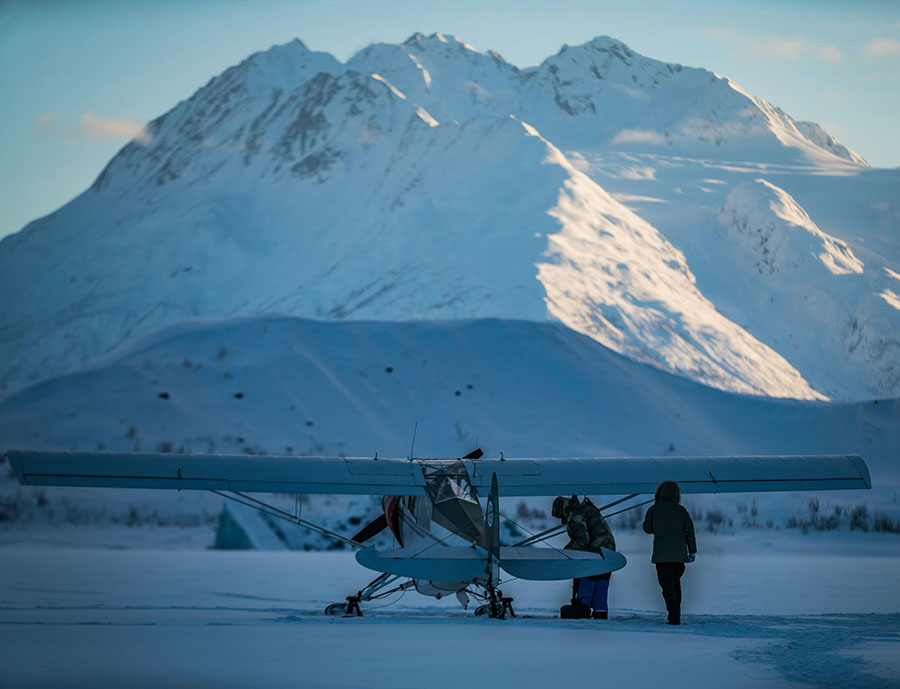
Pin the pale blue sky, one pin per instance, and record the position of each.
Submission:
(67, 68)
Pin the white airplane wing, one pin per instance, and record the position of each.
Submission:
(617, 475)
(245, 473)
(368, 476)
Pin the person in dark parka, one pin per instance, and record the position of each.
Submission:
(673, 544)
(587, 530)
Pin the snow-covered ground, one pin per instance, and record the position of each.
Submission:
(785, 611)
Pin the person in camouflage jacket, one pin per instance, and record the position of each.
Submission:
(587, 530)
(586, 527)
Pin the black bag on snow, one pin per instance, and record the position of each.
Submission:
(576, 610)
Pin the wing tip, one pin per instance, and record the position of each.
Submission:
(860, 464)
(14, 457)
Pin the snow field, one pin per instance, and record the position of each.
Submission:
(78, 618)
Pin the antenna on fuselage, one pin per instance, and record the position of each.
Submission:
(413, 446)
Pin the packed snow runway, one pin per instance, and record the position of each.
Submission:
(788, 616)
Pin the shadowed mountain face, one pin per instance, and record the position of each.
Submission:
(427, 180)
(292, 386)
(355, 388)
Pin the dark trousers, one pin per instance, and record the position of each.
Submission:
(668, 574)
(593, 591)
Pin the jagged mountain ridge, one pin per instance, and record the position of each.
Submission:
(598, 94)
(294, 183)
(455, 83)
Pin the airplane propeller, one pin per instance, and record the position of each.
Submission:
(372, 529)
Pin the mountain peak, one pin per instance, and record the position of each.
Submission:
(437, 39)
(442, 40)
(281, 52)
(284, 65)
(598, 44)
(604, 42)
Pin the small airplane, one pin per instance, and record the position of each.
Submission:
(448, 543)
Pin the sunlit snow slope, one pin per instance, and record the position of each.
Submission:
(770, 241)
(430, 181)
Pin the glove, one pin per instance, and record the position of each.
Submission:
(692, 557)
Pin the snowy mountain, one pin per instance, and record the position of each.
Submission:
(430, 181)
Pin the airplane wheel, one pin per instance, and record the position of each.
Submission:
(492, 610)
(336, 609)
(348, 609)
